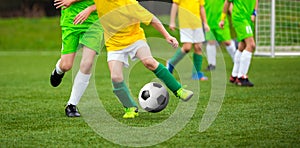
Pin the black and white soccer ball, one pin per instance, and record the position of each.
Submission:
(153, 97)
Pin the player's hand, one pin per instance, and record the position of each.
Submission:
(206, 27)
(171, 40)
(82, 16)
(253, 18)
(172, 26)
(63, 3)
(221, 24)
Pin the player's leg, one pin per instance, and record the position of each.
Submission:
(81, 81)
(230, 47)
(187, 40)
(211, 53)
(70, 42)
(245, 61)
(63, 65)
(211, 50)
(198, 38)
(197, 74)
(90, 38)
(116, 62)
(236, 64)
(144, 54)
(245, 34)
(224, 36)
(180, 53)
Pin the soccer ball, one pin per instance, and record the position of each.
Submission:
(153, 97)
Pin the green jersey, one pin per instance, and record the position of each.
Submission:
(68, 14)
(89, 33)
(242, 9)
(214, 10)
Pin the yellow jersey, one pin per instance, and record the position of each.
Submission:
(121, 22)
(189, 13)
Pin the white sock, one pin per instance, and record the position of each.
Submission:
(211, 54)
(231, 49)
(58, 70)
(244, 63)
(79, 86)
(236, 65)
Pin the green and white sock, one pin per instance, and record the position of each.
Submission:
(163, 74)
(122, 92)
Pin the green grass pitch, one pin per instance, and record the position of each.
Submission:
(32, 112)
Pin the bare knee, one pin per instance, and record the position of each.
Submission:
(250, 44)
(198, 48)
(250, 47)
(116, 77)
(86, 66)
(241, 46)
(186, 47)
(66, 66)
(150, 63)
(227, 43)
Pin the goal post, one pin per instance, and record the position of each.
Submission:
(278, 28)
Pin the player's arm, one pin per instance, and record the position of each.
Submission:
(230, 8)
(84, 14)
(253, 16)
(173, 13)
(224, 12)
(64, 3)
(159, 27)
(203, 18)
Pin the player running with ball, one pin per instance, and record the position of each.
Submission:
(243, 17)
(125, 38)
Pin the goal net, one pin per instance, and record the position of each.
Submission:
(278, 28)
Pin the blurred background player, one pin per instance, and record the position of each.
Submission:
(214, 9)
(191, 15)
(125, 38)
(80, 28)
(243, 17)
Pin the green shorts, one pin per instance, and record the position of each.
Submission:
(74, 38)
(218, 34)
(243, 29)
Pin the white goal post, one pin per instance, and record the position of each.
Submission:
(277, 28)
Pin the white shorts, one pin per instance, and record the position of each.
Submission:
(192, 35)
(122, 55)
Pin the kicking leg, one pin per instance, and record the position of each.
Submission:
(163, 74)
